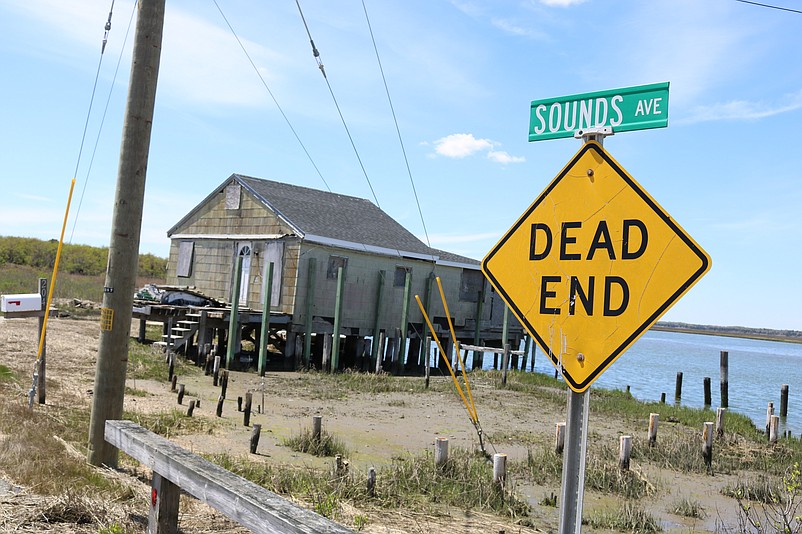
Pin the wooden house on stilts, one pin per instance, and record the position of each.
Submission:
(328, 249)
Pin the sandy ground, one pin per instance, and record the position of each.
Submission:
(375, 427)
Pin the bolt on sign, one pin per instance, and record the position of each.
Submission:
(592, 264)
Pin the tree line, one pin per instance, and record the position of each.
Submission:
(75, 259)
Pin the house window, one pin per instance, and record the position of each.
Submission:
(185, 250)
(233, 194)
(471, 283)
(335, 262)
(401, 275)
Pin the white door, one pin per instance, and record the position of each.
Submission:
(244, 251)
(274, 253)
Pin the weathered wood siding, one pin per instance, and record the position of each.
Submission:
(213, 261)
(361, 290)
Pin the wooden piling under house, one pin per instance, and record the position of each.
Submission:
(316, 241)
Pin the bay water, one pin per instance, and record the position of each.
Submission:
(757, 371)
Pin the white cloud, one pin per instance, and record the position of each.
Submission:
(501, 156)
(462, 145)
(513, 28)
(562, 3)
(742, 110)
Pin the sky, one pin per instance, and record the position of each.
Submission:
(460, 75)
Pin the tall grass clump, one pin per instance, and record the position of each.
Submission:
(324, 445)
(687, 507)
(171, 423)
(628, 518)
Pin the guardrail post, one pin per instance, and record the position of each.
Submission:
(163, 514)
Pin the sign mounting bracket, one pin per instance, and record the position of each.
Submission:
(594, 134)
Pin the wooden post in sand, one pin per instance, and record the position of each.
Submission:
(317, 428)
(440, 452)
(246, 420)
(769, 413)
(653, 420)
(559, 444)
(707, 443)
(774, 427)
(257, 429)
(499, 470)
(624, 452)
(720, 413)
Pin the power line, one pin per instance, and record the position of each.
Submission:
(264, 83)
(105, 109)
(316, 53)
(397, 129)
(770, 6)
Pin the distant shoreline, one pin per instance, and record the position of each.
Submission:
(763, 334)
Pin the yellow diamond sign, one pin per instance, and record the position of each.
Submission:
(592, 264)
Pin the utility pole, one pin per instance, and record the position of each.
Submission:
(121, 271)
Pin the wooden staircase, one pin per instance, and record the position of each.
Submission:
(181, 336)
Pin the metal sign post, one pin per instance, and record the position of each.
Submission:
(574, 454)
(576, 430)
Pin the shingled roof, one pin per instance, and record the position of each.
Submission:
(331, 217)
(334, 219)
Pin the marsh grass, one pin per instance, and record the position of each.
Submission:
(146, 362)
(628, 518)
(761, 488)
(6, 374)
(411, 482)
(328, 445)
(172, 423)
(687, 507)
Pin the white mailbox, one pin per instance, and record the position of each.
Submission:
(20, 303)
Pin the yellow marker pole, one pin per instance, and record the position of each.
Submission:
(471, 412)
(50, 290)
(456, 343)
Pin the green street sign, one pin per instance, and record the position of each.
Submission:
(631, 108)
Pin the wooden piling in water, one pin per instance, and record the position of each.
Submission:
(724, 369)
(678, 387)
(784, 400)
(708, 396)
